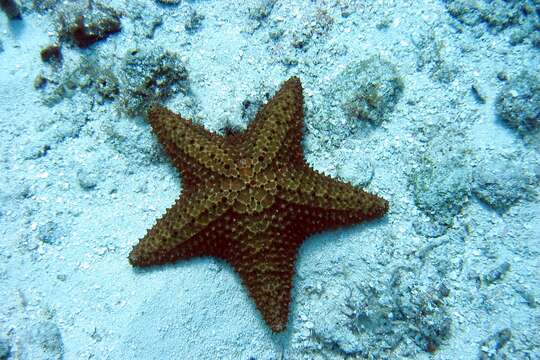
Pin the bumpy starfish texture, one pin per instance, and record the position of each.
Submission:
(250, 199)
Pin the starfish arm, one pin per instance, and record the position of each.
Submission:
(271, 291)
(196, 152)
(182, 232)
(321, 202)
(280, 121)
(265, 263)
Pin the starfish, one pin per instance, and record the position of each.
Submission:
(250, 199)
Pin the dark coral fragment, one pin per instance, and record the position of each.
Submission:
(11, 9)
(51, 54)
(85, 26)
(5, 348)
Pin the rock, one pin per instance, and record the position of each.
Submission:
(518, 103)
(496, 274)
(500, 180)
(5, 348)
(494, 347)
(441, 187)
(150, 75)
(368, 90)
(50, 233)
(84, 25)
(43, 341)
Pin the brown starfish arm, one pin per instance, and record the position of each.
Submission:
(177, 234)
(265, 263)
(197, 153)
(323, 202)
(277, 124)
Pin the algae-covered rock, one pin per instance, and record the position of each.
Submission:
(368, 90)
(87, 75)
(441, 187)
(518, 103)
(498, 15)
(150, 75)
(500, 181)
(397, 320)
(43, 341)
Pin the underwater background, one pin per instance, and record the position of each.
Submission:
(433, 105)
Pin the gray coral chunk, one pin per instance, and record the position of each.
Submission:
(44, 341)
(421, 304)
(501, 182)
(392, 321)
(148, 76)
(369, 89)
(498, 15)
(441, 189)
(495, 347)
(50, 232)
(518, 103)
